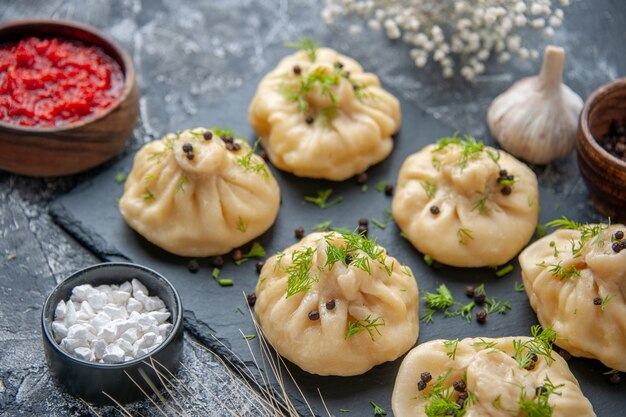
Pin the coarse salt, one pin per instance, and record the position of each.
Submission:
(111, 323)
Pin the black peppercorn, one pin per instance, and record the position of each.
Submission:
(531, 365)
(481, 316)
(434, 210)
(534, 357)
(503, 173)
(479, 297)
(362, 230)
(309, 120)
(460, 402)
(348, 259)
(236, 146)
(259, 265)
(251, 297)
(314, 315)
(208, 135)
(217, 261)
(361, 178)
(193, 266)
(506, 190)
(615, 378)
(389, 190)
(469, 291)
(363, 221)
(617, 247)
(459, 385)
(237, 255)
(330, 305)
(540, 390)
(619, 235)
(597, 301)
(463, 395)
(426, 377)
(421, 385)
(297, 70)
(189, 156)
(187, 147)
(299, 232)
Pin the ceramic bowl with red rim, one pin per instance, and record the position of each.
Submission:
(68, 97)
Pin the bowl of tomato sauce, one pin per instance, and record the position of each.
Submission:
(68, 97)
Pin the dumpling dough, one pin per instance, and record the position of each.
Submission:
(332, 146)
(220, 199)
(348, 320)
(562, 290)
(449, 201)
(493, 378)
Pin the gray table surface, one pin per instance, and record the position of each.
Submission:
(184, 54)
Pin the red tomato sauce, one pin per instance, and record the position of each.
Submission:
(46, 82)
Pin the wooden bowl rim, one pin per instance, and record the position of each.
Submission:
(128, 71)
(598, 95)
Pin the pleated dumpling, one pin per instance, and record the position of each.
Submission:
(485, 377)
(575, 279)
(337, 304)
(319, 115)
(199, 193)
(466, 204)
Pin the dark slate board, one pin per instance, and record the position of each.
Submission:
(90, 214)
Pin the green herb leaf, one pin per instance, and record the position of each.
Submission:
(120, 177)
(440, 300)
(307, 45)
(451, 345)
(380, 186)
(504, 271)
(299, 277)
(224, 282)
(378, 411)
(428, 260)
(249, 336)
(464, 234)
(323, 227)
(605, 301)
(364, 188)
(242, 226)
(251, 163)
(519, 287)
(147, 195)
(181, 184)
(322, 199)
(369, 324)
(379, 224)
(539, 406)
(430, 188)
(482, 343)
(222, 132)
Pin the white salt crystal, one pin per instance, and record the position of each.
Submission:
(60, 310)
(134, 305)
(100, 320)
(119, 297)
(70, 345)
(153, 303)
(108, 333)
(81, 292)
(115, 311)
(86, 308)
(113, 354)
(97, 299)
(130, 335)
(164, 328)
(83, 353)
(160, 316)
(149, 338)
(125, 345)
(145, 322)
(99, 348)
(70, 315)
(126, 287)
(138, 288)
(59, 330)
(80, 331)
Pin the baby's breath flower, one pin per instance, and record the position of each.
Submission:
(467, 32)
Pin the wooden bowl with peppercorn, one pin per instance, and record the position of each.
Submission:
(68, 97)
(601, 148)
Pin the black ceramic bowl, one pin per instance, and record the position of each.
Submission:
(90, 380)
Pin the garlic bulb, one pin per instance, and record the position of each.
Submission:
(537, 117)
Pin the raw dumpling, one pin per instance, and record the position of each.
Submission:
(466, 204)
(320, 116)
(199, 193)
(479, 378)
(337, 304)
(575, 279)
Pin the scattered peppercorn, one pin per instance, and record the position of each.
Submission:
(389, 190)
(314, 315)
(227, 139)
(481, 316)
(479, 297)
(237, 255)
(426, 377)
(617, 247)
(434, 210)
(299, 232)
(208, 135)
(362, 230)
(459, 385)
(236, 146)
(259, 265)
(363, 221)
(463, 395)
(614, 142)
(193, 266)
(540, 390)
(187, 147)
(615, 378)
(330, 305)
(348, 259)
(619, 235)
(217, 261)
(460, 402)
(190, 156)
(531, 365)
(506, 190)
(564, 354)
(251, 297)
(361, 178)
(421, 385)
(534, 357)
(309, 120)
(597, 301)
(469, 291)
(297, 70)
(503, 173)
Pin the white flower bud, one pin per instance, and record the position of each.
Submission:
(448, 72)
(548, 32)
(504, 57)
(420, 61)
(373, 24)
(538, 23)
(520, 7)
(536, 9)
(523, 53)
(520, 20)
(555, 21)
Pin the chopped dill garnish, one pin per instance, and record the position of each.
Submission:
(430, 188)
(540, 231)
(428, 260)
(440, 400)
(249, 336)
(388, 215)
(368, 324)
(481, 205)
(361, 251)
(559, 271)
(504, 271)
(451, 345)
(539, 406)
(120, 177)
(407, 271)
(587, 232)
(519, 287)
(380, 186)
(470, 149)
(307, 45)
(181, 183)
(378, 411)
(256, 251)
(222, 132)
(364, 188)
(440, 300)
(539, 345)
(250, 164)
(242, 226)
(239, 310)
(224, 282)
(464, 234)
(147, 195)
(443, 301)
(299, 274)
(482, 343)
(323, 227)
(322, 199)
(496, 306)
(378, 224)
(605, 301)
(404, 235)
